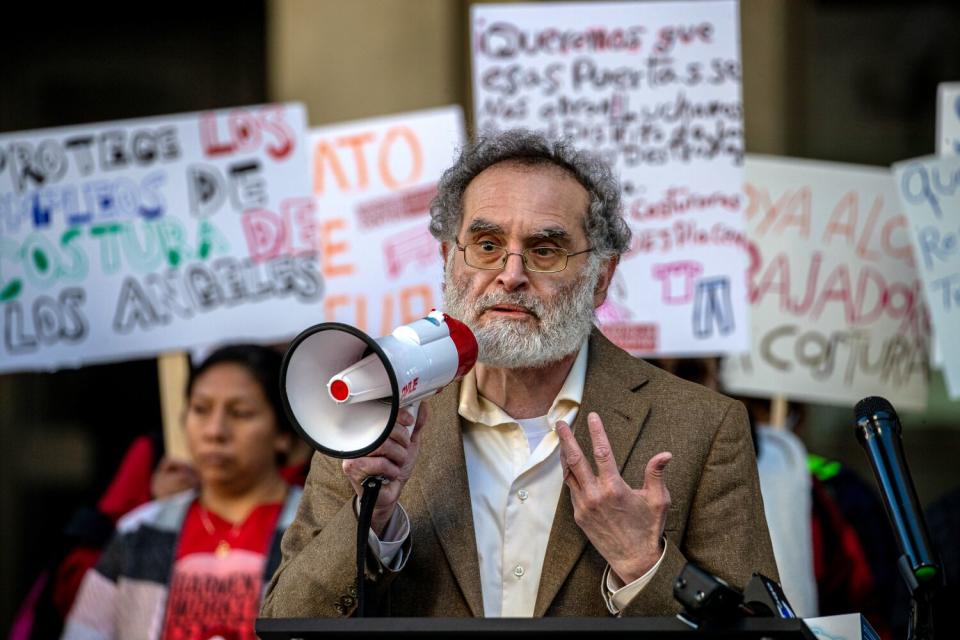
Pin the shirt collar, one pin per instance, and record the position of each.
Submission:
(478, 410)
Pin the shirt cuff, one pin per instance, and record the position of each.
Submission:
(389, 551)
(618, 596)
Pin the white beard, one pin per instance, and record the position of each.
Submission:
(564, 321)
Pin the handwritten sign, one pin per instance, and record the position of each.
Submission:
(948, 119)
(836, 301)
(130, 238)
(929, 191)
(373, 181)
(948, 144)
(654, 88)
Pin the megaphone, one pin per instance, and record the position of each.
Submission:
(342, 389)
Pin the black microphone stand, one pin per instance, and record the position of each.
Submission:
(921, 602)
(879, 431)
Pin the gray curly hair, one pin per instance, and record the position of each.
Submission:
(604, 225)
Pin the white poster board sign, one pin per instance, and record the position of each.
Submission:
(131, 238)
(836, 301)
(373, 181)
(929, 191)
(948, 144)
(654, 88)
(948, 119)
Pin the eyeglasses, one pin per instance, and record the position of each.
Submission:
(490, 256)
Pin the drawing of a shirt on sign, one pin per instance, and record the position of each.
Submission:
(676, 279)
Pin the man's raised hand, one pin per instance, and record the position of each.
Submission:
(625, 525)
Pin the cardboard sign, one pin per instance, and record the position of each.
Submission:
(373, 181)
(654, 89)
(131, 238)
(929, 191)
(836, 301)
(948, 119)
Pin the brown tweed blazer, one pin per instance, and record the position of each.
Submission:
(716, 518)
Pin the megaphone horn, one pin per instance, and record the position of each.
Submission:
(342, 389)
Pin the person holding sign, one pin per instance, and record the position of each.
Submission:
(196, 561)
(562, 476)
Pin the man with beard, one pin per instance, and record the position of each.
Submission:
(562, 476)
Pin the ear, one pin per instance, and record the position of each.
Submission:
(444, 250)
(603, 283)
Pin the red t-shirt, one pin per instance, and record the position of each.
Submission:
(217, 575)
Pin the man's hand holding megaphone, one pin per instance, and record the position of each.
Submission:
(394, 461)
(355, 397)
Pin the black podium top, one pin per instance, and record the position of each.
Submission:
(326, 628)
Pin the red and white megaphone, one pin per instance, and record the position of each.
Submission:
(343, 390)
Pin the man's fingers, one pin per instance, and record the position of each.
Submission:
(393, 451)
(571, 455)
(401, 435)
(405, 418)
(653, 475)
(402, 432)
(422, 415)
(568, 478)
(359, 468)
(602, 453)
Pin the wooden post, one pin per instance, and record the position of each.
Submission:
(778, 412)
(172, 370)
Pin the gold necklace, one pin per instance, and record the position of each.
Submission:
(223, 546)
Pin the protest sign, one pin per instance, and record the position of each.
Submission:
(131, 238)
(948, 144)
(654, 89)
(929, 191)
(835, 298)
(948, 119)
(373, 181)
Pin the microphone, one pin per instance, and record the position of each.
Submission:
(879, 433)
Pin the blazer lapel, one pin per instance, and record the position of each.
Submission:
(442, 472)
(610, 390)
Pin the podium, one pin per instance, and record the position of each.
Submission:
(327, 628)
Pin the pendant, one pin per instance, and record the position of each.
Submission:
(223, 549)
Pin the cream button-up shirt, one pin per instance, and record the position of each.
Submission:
(515, 478)
(514, 490)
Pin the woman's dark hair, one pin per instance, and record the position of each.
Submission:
(263, 363)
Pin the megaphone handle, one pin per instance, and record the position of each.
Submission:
(371, 489)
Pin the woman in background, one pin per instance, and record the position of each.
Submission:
(194, 565)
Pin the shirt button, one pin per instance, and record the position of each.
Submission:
(523, 495)
(518, 571)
